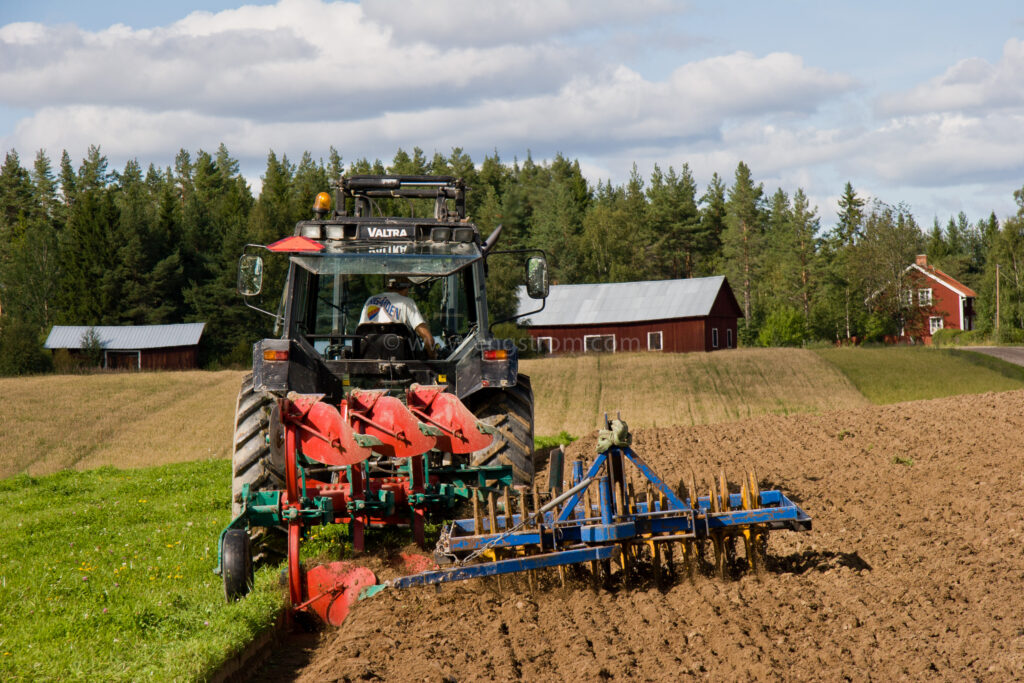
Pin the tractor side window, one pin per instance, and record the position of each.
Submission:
(304, 318)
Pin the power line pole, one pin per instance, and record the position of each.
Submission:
(997, 298)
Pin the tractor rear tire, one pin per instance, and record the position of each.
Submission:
(252, 461)
(236, 564)
(510, 411)
(255, 462)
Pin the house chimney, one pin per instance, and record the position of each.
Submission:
(922, 260)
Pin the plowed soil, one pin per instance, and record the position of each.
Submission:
(914, 569)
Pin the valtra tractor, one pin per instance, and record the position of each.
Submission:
(384, 434)
(346, 419)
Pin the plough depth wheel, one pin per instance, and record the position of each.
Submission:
(236, 559)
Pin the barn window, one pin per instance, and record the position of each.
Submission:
(599, 343)
(934, 324)
(728, 338)
(654, 341)
(542, 345)
(714, 337)
(924, 297)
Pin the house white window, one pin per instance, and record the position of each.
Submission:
(907, 298)
(542, 345)
(924, 297)
(934, 324)
(654, 341)
(714, 337)
(728, 338)
(599, 343)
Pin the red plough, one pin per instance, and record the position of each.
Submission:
(460, 431)
(325, 443)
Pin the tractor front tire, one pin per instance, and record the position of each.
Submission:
(510, 412)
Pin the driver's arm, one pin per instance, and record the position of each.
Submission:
(428, 339)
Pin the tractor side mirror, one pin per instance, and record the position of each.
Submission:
(250, 275)
(537, 277)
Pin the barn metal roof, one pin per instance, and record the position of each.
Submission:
(127, 337)
(623, 302)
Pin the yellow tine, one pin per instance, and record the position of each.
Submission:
(692, 484)
(723, 489)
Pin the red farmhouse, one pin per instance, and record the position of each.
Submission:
(696, 314)
(946, 303)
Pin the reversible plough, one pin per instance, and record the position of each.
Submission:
(616, 510)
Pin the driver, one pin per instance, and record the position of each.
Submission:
(395, 306)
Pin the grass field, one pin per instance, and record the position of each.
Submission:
(656, 390)
(55, 422)
(896, 374)
(107, 575)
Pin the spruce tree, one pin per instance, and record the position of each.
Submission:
(742, 241)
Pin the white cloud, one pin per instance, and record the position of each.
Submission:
(947, 149)
(299, 60)
(969, 85)
(471, 22)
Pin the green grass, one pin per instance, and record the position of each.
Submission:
(107, 575)
(563, 438)
(897, 374)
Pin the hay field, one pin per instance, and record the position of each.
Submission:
(659, 390)
(55, 422)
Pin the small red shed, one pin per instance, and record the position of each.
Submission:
(945, 302)
(695, 314)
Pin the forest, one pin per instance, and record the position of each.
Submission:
(91, 245)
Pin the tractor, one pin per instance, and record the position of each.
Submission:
(415, 428)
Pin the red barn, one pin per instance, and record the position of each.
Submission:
(945, 302)
(135, 347)
(696, 314)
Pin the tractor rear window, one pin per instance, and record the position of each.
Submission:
(329, 306)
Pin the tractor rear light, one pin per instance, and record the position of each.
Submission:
(462, 234)
(496, 354)
(272, 355)
(440, 234)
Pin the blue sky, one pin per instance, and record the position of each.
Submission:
(919, 102)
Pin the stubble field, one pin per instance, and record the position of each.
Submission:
(658, 390)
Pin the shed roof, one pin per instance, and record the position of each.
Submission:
(625, 302)
(127, 337)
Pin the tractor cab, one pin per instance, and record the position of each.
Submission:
(336, 331)
(341, 303)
